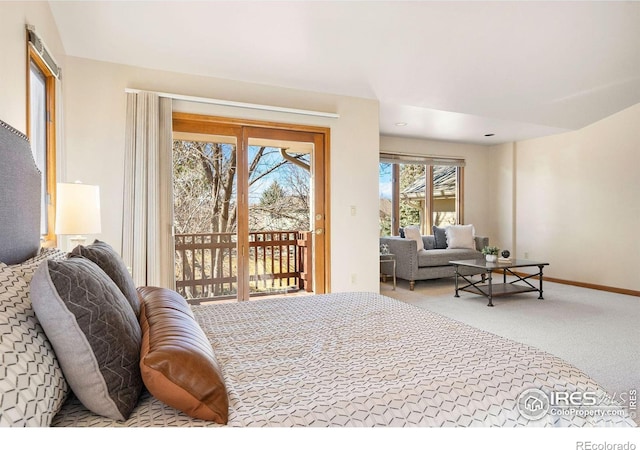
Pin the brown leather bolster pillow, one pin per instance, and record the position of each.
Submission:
(177, 362)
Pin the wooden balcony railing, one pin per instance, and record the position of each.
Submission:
(206, 263)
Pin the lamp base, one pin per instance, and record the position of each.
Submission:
(77, 240)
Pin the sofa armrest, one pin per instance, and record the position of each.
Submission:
(406, 254)
(481, 242)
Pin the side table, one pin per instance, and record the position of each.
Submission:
(386, 258)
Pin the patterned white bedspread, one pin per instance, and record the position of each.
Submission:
(362, 359)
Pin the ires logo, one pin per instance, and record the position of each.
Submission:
(534, 404)
(573, 398)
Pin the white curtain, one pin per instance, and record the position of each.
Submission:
(61, 154)
(147, 241)
(61, 157)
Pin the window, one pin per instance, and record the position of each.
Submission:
(445, 195)
(41, 125)
(411, 205)
(419, 191)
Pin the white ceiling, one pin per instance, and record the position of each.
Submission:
(451, 70)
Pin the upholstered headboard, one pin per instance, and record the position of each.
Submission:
(19, 197)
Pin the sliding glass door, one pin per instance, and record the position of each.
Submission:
(249, 210)
(205, 210)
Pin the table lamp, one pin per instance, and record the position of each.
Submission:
(77, 211)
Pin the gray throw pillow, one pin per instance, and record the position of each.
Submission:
(112, 264)
(440, 237)
(94, 333)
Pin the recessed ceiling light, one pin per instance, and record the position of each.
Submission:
(401, 124)
(489, 135)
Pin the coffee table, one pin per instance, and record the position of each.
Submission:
(490, 290)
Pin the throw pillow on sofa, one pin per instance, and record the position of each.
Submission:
(440, 237)
(461, 236)
(413, 232)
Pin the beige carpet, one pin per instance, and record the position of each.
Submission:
(596, 331)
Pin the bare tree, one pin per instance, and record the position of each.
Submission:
(205, 198)
(284, 205)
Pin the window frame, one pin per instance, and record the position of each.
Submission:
(49, 175)
(430, 162)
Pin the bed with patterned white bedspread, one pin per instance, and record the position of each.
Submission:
(362, 359)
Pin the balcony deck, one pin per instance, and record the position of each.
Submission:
(206, 264)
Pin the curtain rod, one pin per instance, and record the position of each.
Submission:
(214, 101)
(41, 49)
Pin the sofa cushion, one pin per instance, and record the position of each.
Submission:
(94, 334)
(440, 237)
(439, 257)
(461, 236)
(413, 232)
(177, 361)
(428, 242)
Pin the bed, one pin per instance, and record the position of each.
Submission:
(342, 359)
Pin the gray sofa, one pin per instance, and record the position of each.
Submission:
(414, 265)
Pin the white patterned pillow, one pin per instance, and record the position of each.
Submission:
(461, 236)
(413, 232)
(28, 267)
(32, 386)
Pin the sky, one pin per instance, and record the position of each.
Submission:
(385, 181)
(271, 156)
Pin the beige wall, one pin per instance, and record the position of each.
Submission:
(477, 175)
(95, 123)
(576, 197)
(14, 16)
(502, 208)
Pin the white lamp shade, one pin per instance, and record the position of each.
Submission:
(77, 209)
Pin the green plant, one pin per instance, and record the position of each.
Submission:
(490, 250)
